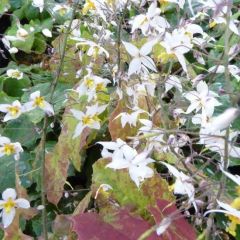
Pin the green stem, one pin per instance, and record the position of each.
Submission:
(45, 126)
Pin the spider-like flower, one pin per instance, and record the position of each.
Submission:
(8, 148)
(88, 119)
(12, 111)
(38, 101)
(14, 73)
(124, 156)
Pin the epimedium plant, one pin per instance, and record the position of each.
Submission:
(119, 119)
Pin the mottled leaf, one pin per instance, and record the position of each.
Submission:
(125, 191)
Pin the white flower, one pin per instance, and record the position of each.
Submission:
(61, 9)
(89, 119)
(8, 205)
(173, 81)
(150, 21)
(12, 111)
(177, 43)
(124, 156)
(183, 184)
(94, 50)
(14, 73)
(39, 4)
(130, 118)
(202, 99)
(37, 101)
(140, 61)
(8, 148)
(46, 32)
(90, 85)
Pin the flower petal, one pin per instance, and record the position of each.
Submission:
(7, 218)
(22, 203)
(9, 193)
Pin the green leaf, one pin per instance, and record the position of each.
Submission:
(22, 130)
(4, 6)
(7, 172)
(14, 87)
(39, 44)
(15, 4)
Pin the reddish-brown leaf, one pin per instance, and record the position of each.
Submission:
(119, 226)
(179, 228)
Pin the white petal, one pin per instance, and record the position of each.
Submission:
(235, 178)
(22, 203)
(162, 227)
(134, 66)
(131, 49)
(202, 88)
(46, 32)
(48, 109)
(78, 130)
(118, 164)
(9, 193)
(147, 47)
(28, 106)
(34, 95)
(234, 28)
(4, 140)
(77, 114)
(149, 63)
(7, 218)
(171, 169)
(3, 107)
(136, 23)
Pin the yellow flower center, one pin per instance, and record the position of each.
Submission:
(89, 82)
(16, 74)
(87, 120)
(212, 24)
(89, 5)
(14, 110)
(8, 205)
(9, 149)
(190, 35)
(62, 11)
(144, 21)
(100, 87)
(39, 101)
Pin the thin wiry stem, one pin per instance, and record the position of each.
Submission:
(226, 144)
(45, 126)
